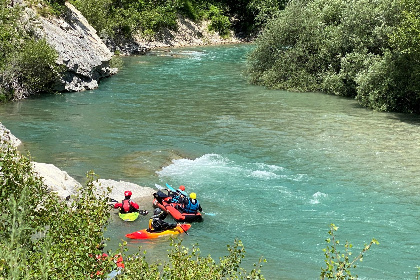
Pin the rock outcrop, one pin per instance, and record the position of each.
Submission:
(56, 180)
(7, 137)
(188, 33)
(118, 188)
(62, 184)
(84, 55)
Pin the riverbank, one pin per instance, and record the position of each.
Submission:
(61, 183)
(189, 33)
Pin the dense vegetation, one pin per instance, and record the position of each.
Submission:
(27, 63)
(125, 18)
(368, 50)
(42, 237)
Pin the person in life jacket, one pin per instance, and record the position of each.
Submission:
(180, 195)
(192, 206)
(127, 205)
(157, 223)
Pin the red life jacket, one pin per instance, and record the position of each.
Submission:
(127, 207)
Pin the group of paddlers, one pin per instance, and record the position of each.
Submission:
(184, 203)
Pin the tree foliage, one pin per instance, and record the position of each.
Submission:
(27, 64)
(356, 49)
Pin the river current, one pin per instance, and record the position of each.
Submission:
(271, 168)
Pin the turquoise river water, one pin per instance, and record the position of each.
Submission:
(269, 167)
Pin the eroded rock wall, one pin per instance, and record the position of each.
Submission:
(84, 55)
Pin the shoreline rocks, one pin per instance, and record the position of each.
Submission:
(119, 187)
(7, 137)
(61, 183)
(189, 33)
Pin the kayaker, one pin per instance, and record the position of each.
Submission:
(157, 223)
(127, 205)
(180, 195)
(192, 206)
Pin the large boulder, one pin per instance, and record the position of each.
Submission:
(84, 55)
(57, 180)
(119, 187)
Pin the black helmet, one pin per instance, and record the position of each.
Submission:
(157, 211)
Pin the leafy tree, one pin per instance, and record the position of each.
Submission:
(266, 10)
(27, 65)
(343, 48)
(406, 37)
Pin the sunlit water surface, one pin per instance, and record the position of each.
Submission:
(271, 168)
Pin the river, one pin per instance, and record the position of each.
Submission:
(271, 168)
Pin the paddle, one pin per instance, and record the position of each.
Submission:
(159, 187)
(183, 230)
(170, 188)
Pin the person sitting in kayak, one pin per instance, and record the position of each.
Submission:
(180, 195)
(192, 206)
(157, 223)
(127, 205)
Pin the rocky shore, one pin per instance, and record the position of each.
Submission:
(59, 182)
(80, 50)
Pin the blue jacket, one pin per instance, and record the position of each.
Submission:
(192, 206)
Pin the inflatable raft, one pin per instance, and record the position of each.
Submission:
(162, 201)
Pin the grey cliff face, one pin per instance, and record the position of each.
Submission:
(80, 50)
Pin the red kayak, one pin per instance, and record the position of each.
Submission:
(173, 210)
(145, 234)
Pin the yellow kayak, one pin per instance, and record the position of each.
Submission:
(129, 217)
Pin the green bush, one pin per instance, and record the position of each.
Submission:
(219, 22)
(357, 49)
(187, 264)
(27, 65)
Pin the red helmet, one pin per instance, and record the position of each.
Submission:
(182, 188)
(128, 193)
